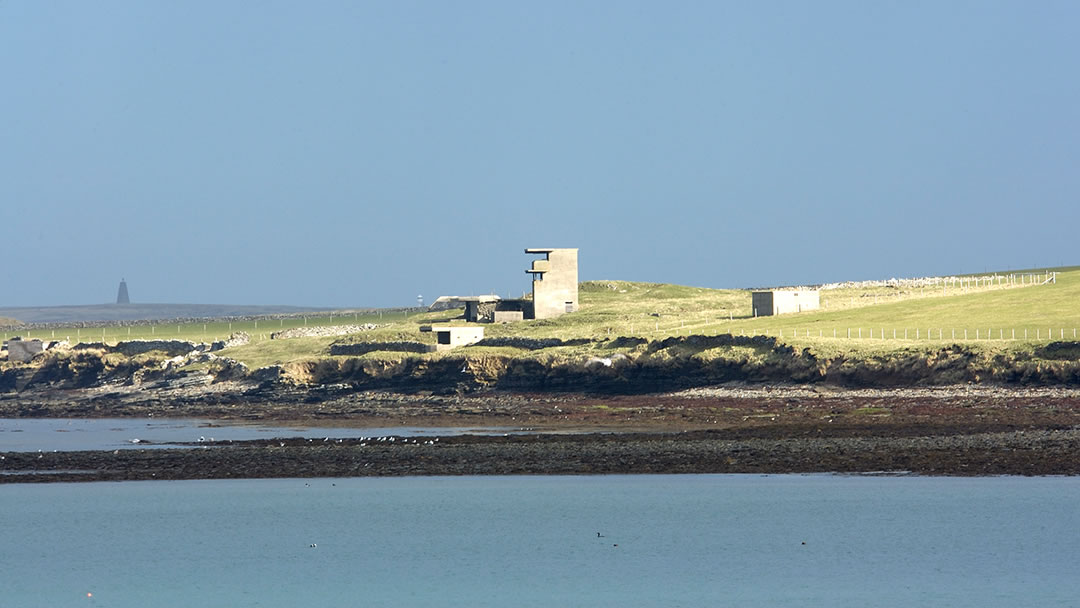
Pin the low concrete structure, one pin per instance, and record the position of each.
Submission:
(507, 316)
(448, 337)
(555, 282)
(783, 301)
(478, 309)
(485, 309)
(25, 350)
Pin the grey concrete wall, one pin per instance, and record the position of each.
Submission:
(761, 303)
(462, 336)
(472, 312)
(508, 316)
(480, 312)
(555, 282)
(453, 337)
(24, 350)
(783, 301)
(809, 300)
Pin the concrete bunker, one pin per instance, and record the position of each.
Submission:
(25, 350)
(447, 337)
(554, 292)
(784, 301)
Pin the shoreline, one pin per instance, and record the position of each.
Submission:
(959, 430)
(1024, 453)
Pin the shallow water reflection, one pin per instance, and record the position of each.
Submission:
(68, 434)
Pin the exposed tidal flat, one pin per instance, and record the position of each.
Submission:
(615, 540)
(943, 431)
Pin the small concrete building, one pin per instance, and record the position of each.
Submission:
(555, 282)
(783, 301)
(451, 337)
(25, 350)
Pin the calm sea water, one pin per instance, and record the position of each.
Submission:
(694, 540)
(72, 434)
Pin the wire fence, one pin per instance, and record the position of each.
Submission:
(939, 334)
(838, 296)
(111, 332)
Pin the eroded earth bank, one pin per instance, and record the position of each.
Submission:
(695, 421)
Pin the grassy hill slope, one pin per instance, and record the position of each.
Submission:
(653, 312)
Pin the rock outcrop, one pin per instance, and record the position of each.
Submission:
(363, 348)
(618, 366)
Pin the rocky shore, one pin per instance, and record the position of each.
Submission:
(956, 430)
(950, 452)
(624, 406)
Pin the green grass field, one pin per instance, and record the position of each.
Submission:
(203, 331)
(852, 320)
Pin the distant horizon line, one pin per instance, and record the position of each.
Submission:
(188, 304)
(301, 307)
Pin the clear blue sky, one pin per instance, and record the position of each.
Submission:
(361, 153)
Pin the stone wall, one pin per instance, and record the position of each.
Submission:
(172, 348)
(531, 343)
(322, 331)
